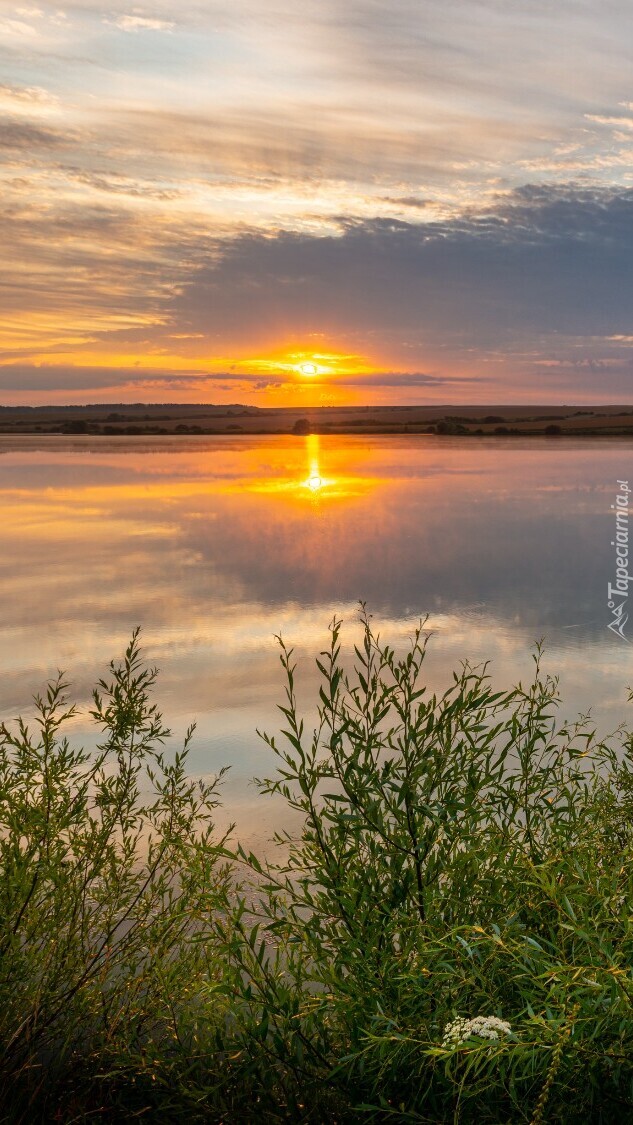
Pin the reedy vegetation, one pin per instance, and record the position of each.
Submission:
(461, 856)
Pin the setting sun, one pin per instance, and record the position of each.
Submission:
(308, 368)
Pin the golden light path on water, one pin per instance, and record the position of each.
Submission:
(213, 546)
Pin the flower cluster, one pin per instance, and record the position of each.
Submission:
(485, 1027)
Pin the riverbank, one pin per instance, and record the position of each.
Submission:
(141, 418)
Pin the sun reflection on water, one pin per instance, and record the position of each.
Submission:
(315, 482)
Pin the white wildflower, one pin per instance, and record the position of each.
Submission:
(484, 1027)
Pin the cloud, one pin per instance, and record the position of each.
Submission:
(400, 379)
(31, 98)
(50, 376)
(115, 183)
(545, 260)
(618, 122)
(141, 23)
(532, 292)
(66, 377)
(22, 135)
(12, 29)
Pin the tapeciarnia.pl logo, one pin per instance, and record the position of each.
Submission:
(618, 592)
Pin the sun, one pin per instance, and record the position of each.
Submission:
(308, 369)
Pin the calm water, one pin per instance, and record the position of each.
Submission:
(214, 545)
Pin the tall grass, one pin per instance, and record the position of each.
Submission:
(448, 938)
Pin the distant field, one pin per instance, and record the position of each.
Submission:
(452, 420)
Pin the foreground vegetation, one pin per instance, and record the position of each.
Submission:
(449, 939)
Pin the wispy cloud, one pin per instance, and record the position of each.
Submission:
(619, 122)
(29, 138)
(28, 99)
(141, 23)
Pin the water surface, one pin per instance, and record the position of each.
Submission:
(215, 545)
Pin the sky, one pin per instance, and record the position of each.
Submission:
(310, 202)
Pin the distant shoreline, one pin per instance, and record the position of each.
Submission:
(173, 419)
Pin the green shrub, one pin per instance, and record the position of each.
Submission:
(449, 938)
(108, 869)
(462, 856)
